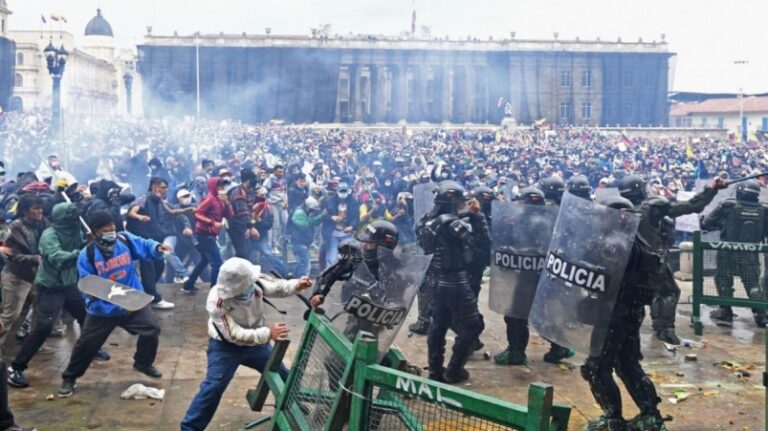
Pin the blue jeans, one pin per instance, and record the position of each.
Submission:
(173, 262)
(301, 252)
(223, 360)
(331, 251)
(268, 260)
(209, 253)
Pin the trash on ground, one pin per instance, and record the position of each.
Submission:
(139, 392)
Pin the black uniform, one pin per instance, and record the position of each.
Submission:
(450, 239)
(739, 220)
(656, 234)
(621, 351)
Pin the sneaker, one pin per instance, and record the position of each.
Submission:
(163, 305)
(668, 336)
(456, 376)
(23, 331)
(647, 422)
(180, 279)
(102, 355)
(17, 427)
(189, 291)
(419, 328)
(67, 388)
(723, 316)
(149, 370)
(509, 357)
(557, 353)
(604, 424)
(16, 378)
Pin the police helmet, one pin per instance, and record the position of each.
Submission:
(553, 188)
(483, 194)
(532, 196)
(748, 191)
(618, 203)
(632, 187)
(351, 247)
(579, 185)
(450, 192)
(381, 232)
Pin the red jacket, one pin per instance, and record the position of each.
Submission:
(211, 210)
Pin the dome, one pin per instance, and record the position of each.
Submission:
(98, 26)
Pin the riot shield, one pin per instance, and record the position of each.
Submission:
(379, 305)
(423, 200)
(521, 236)
(602, 193)
(582, 274)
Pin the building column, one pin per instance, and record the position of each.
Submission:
(399, 92)
(446, 93)
(375, 98)
(354, 93)
(471, 96)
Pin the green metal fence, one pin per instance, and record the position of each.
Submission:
(728, 274)
(335, 384)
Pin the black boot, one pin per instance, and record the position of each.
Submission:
(420, 327)
(722, 316)
(761, 319)
(668, 336)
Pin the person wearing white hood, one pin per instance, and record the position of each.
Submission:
(238, 332)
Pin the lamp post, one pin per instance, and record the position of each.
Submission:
(128, 79)
(742, 121)
(57, 60)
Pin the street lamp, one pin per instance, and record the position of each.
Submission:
(742, 120)
(128, 79)
(57, 60)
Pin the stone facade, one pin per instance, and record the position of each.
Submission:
(7, 59)
(373, 79)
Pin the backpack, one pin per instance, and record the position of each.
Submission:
(90, 251)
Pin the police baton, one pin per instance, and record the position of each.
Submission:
(750, 177)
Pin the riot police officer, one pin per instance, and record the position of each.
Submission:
(743, 219)
(578, 185)
(553, 188)
(621, 351)
(484, 197)
(518, 333)
(449, 232)
(656, 232)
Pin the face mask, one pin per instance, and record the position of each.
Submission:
(158, 195)
(186, 201)
(247, 292)
(343, 195)
(388, 183)
(109, 237)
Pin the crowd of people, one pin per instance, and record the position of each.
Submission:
(181, 196)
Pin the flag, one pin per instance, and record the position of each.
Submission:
(55, 18)
(42, 17)
(624, 138)
(688, 150)
(501, 101)
(413, 19)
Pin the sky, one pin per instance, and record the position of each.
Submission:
(707, 35)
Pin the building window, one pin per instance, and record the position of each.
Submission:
(608, 78)
(648, 79)
(721, 122)
(628, 78)
(586, 78)
(565, 78)
(20, 59)
(18, 81)
(765, 124)
(586, 111)
(704, 121)
(628, 112)
(607, 110)
(565, 111)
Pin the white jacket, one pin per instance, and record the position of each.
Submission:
(237, 319)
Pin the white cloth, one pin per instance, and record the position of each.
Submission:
(140, 392)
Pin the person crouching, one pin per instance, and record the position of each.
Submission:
(238, 334)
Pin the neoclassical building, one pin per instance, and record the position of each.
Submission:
(374, 79)
(93, 83)
(7, 59)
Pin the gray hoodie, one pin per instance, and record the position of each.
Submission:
(236, 315)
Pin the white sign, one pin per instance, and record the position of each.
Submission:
(688, 222)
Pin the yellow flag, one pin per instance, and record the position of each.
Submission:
(688, 150)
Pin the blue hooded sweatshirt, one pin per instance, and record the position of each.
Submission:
(119, 268)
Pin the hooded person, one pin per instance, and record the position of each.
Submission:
(111, 256)
(239, 334)
(56, 282)
(209, 217)
(108, 196)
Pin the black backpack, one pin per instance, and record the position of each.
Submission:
(90, 251)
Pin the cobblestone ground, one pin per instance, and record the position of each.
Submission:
(719, 397)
